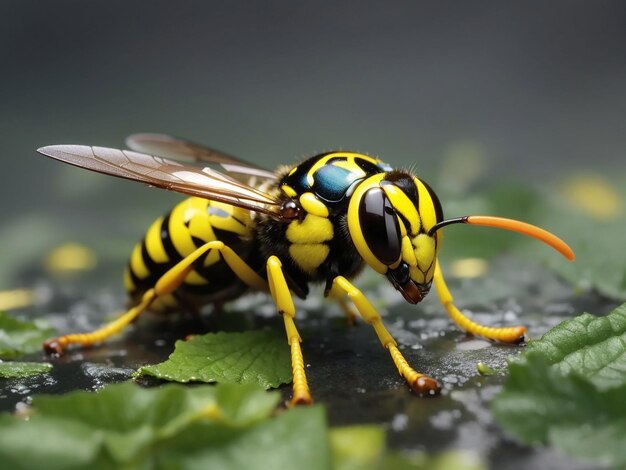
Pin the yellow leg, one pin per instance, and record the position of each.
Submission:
(512, 334)
(420, 383)
(168, 283)
(284, 303)
(349, 312)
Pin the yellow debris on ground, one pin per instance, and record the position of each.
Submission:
(594, 195)
(16, 298)
(70, 258)
(469, 267)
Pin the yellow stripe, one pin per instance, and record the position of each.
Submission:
(137, 264)
(427, 206)
(179, 233)
(431, 271)
(408, 254)
(424, 250)
(289, 191)
(212, 258)
(154, 243)
(129, 285)
(354, 155)
(238, 222)
(416, 275)
(309, 256)
(312, 229)
(349, 165)
(167, 302)
(199, 225)
(402, 204)
(313, 205)
(196, 279)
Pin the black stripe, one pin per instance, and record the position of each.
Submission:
(140, 284)
(236, 219)
(133, 278)
(171, 251)
(368, 167)
(405, 182)
(229, 238)
(436, 203)
(147, 260)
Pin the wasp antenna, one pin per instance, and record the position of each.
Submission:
(515, 226)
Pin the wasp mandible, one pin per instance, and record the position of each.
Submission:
(321, 221)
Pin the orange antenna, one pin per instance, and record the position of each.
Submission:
(513, 225)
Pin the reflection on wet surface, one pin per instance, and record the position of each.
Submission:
(348, 370)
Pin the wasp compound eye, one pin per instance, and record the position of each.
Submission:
(380, 226)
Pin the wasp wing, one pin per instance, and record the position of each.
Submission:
(173, 147)
(163, 173)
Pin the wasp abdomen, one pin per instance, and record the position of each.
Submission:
(171, 238)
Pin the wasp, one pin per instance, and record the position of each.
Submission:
(245, 228)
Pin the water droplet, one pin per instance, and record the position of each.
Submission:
(399, 422)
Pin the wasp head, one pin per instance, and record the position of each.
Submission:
(389, 219)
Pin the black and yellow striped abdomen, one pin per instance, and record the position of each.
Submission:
(189, 225)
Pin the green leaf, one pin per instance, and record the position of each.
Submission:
(595, 233)
(597, 242)
(260, 357)
(541, 405)
(594, 347)
(18, 370)
(295, 439)
(19, 337)
(364, 447)
(484, 369)
(229, 426)
(568, 389)
(454, 459)
(357, 447)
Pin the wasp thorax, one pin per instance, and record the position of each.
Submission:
(389, 219)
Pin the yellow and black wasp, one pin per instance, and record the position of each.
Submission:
(320, 221)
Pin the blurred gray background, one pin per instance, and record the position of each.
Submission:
(534, 87)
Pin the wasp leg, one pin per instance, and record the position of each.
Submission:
(167, 284)
(419, 383)
(512, 334)
(348, 311)
(284, 303)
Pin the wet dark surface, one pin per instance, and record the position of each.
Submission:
(349, 372)
(465, 94)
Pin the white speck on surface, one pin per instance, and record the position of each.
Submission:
(472, 345)
(21, 389)
(399, 422)
(21, 407)
(267, 310)
(445, 420)
(510, 316)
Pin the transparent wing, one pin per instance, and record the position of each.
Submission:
(168, 146)
(163, 173)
